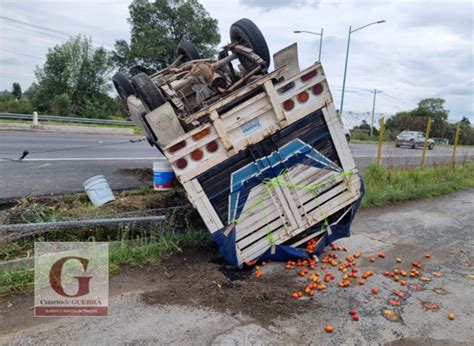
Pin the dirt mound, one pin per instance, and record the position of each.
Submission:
(192, 279)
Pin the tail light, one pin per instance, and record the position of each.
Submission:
(201, 134)
(317, 89)
(177, 147)
(197, 155)
(212, 146)
(302, 97)
(288, 105)
(309, 75)
(181, 163)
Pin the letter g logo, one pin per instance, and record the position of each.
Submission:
(56, 273)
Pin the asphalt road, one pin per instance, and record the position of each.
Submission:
(439, 226)
(60, 163)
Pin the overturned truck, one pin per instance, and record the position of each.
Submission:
(262, 155)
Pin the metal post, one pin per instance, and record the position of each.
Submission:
(379, 149)
(373, 112)
(320, 45)
(456, 140)
(345, 70)
(425, 145)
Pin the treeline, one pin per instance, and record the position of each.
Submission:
(417, 120)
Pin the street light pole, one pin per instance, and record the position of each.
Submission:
(320, 34)
(347, 57)
(373, 112)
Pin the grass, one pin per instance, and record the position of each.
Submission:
(138, 247)
(388, 185)
(130, 251)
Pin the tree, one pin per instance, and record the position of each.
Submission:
(157, 28)
(465, 121)
(74, 75)
(417, 119)
(432, 107)
(16, 90)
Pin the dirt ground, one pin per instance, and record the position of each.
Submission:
(196, 298)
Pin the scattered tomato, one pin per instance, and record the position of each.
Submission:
(258, 274)
(329, 328)
(374, 291)
(361, 282)
(323, 267)
(353, 312)
(355, 317)
(451, 316)
(372, 259)
(398, 260)
(403, 282)
(427, 255)
(381, 255)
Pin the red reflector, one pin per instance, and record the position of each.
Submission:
(317, 89)
(181, 163)
(302, 97)
(177, 147)
(309, 75)
(197, 154)
(212, 147)
(288, 105)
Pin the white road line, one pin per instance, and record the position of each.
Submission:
(93, 159)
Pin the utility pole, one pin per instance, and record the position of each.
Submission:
(373, 112)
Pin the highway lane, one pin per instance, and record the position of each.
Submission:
(60, 163)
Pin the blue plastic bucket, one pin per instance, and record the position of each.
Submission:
(98, 190)
(163, 175)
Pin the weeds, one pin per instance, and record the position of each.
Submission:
(387, 185)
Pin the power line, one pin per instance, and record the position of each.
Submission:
(18, 53)
(9, 74)
(8, 20)
(35, 31)
(396, 99)
(35, 26)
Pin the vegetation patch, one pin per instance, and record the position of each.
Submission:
(388, 185)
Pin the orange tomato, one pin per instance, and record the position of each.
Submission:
(329, 328)
(375, 291)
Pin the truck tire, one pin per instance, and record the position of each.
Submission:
(123, 86)
(430, 146)
(147, 92)
(188, 50)
(245, 32)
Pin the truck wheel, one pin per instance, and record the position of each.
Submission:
(147, 92)
(188, 51)
(123, 86)
(245, 32)
(431, 146)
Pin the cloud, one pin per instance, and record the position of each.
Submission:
(268, 5)
(423, 50)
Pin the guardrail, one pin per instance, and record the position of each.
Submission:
(65, 119)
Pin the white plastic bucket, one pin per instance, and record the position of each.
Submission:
(98, 190)
(163, 175)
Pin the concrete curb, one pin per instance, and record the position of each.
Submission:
(67, 129)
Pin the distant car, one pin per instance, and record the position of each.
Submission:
(347, 134)
(413, 139)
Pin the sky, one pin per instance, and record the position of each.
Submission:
(424, 49)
